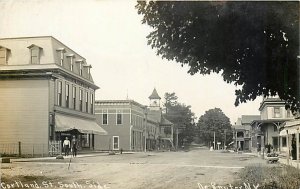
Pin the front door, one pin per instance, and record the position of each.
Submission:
(115, 142)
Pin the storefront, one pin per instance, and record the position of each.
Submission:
(83, 129)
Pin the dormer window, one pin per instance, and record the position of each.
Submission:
(35, 52)
(71, 57)
(88, 70)
(61, 52)
(80, 62)
(3, 55)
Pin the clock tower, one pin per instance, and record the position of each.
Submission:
(154, 100)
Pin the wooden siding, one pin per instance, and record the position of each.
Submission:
(24, 114)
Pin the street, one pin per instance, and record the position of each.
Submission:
(193, 169)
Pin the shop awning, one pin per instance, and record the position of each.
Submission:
(290, 127)
(67, 123)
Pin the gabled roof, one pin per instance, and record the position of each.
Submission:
(247, 119)
(154, 95)
(33, 45)
(164, 121)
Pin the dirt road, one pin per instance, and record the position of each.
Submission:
(156, 170)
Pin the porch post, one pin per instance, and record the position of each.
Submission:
(288, 147)
(297, 147)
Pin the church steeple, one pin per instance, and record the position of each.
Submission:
(154, 99)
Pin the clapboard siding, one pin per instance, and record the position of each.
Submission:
(24, 113)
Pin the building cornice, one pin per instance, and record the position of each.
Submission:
(41, 70)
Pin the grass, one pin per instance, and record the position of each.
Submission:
(270, 177)
(25, 179)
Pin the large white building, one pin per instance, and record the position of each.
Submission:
(47, 93)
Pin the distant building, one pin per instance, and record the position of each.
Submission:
(124, 120)
(266, 130)
(166, 136)
(242, 132)
(47, 94)
(132, 126)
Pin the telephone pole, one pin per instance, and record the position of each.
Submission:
(225, 139)
(214, 140)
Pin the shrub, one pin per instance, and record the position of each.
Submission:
(279, 177)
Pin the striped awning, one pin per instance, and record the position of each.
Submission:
(65, 123)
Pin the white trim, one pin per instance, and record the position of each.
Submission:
(113, 143)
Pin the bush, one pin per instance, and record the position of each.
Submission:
(284, 177)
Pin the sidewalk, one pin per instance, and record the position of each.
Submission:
(65, 157)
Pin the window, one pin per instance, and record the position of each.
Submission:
(115, 142)
(59, 93)
(67, 95)
(3, 56)
(34, 54)
(80, 100)
(74, 97)
(119, 118)
(80, 68)
(92, 103)
(71, 57)
(277, 112)
(283, 141)
(104, 119)
(61, 52)
(87, 102)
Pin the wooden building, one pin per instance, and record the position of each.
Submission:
(47, 94)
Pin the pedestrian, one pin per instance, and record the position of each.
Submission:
(74, 146)
(66, 146)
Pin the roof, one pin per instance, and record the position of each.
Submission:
(247, 119)
(155, 115)
(154, 95)
(271, 100)
(238, 127)
(269, 121)
(164, 121)
(118, 102)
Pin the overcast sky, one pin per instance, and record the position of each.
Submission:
(109, 34)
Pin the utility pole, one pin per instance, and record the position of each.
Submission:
(145, 131)
(214, 140)
(225, 140)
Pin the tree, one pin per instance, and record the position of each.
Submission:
(254, 45)
(182, 117)
(214, 121)
(170, 100)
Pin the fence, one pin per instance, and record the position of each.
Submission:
(30, 149)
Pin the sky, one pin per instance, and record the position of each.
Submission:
(110, 35)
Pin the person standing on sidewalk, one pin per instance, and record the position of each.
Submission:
(66, 146)
(74, 146)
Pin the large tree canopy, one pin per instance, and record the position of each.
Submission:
(214, 121)
(252, 44)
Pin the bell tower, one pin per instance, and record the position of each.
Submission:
(154, 100)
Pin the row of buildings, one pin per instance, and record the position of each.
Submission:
(48, 93)
(275, 127)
